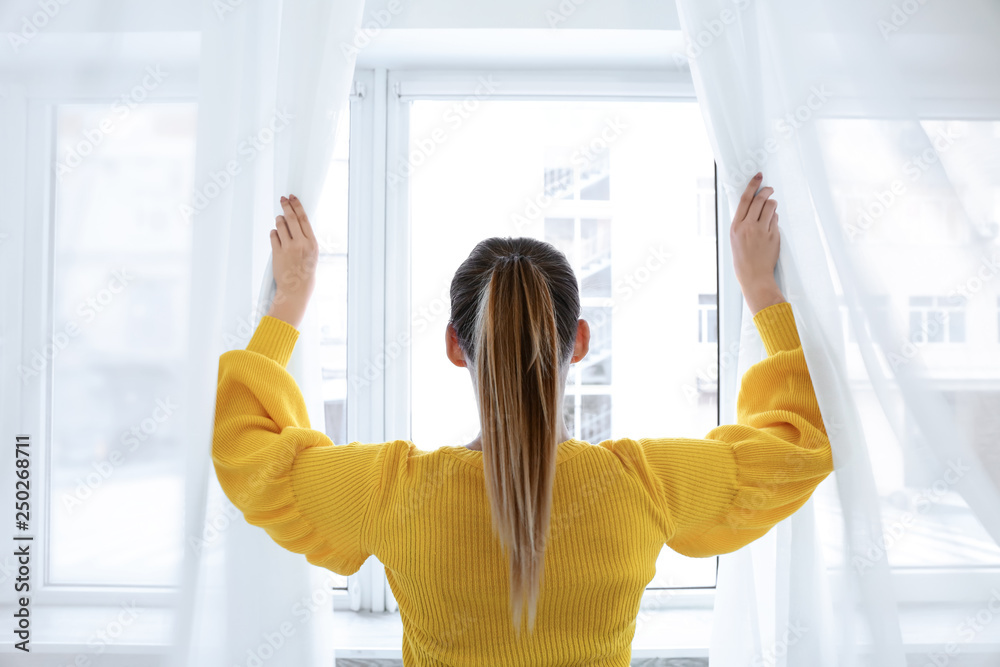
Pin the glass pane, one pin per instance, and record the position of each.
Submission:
(595, 368)
(595, 417)
(330, 225)
(935, 326)
(595, 179)
(121, 276)
(560, 233)
(545, 170)
(956, 326)
(330, 297)
(916, 326)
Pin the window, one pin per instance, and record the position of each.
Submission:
(329, 222)
(706, 206)
(586, 176)
(881, 315)
(936, 320)
(330, 225)
(120, 281)
(927, 523)
(708, 320)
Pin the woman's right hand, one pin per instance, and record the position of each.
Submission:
(755, 241)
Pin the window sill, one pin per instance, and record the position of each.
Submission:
(79, 629)
(662, 633)
(685, 632)
(680, 632)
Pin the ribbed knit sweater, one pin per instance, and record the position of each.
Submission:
(425, 514)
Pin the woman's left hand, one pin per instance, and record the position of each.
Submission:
(295, 255)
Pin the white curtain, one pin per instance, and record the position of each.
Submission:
(280, 72)
(827, 98)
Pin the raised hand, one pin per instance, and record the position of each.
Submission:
(755, 242)
(295, 255)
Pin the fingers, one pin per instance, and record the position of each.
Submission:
(758, 203)
(767, 213)
(291, 218)
(300, 213)
(747, 198)
(284, 234)
(275, 240)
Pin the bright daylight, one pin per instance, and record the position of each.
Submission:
(411, 333)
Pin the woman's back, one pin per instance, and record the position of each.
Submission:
(425, 515)
(451, 580)
(524, 517)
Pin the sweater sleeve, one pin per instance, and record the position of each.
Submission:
(717, 495)
(310, 496)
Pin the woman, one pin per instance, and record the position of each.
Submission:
(523, 516)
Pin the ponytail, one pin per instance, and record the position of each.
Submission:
(515, 304)
(517, 371)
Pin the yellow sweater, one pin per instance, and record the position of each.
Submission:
(424, 514)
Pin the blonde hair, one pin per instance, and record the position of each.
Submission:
(515, 306)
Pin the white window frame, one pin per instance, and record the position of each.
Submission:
(29, 120)
(379, 239)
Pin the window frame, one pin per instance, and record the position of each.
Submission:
(32, 110)
(379, 234)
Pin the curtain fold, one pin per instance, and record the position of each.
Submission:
(825, 98)
(274, 78)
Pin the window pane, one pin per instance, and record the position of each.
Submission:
(595, 368)
(916, 326)
(121, 278)
(559, 232)
(637, 248)
(935, 326)
(595, 178)
(956, 326)
(330, 225)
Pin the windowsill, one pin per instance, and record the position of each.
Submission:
(74, 629)
(683, 633)
(663, 633)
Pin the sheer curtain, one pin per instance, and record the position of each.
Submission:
(868, 120)
(279, 72)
